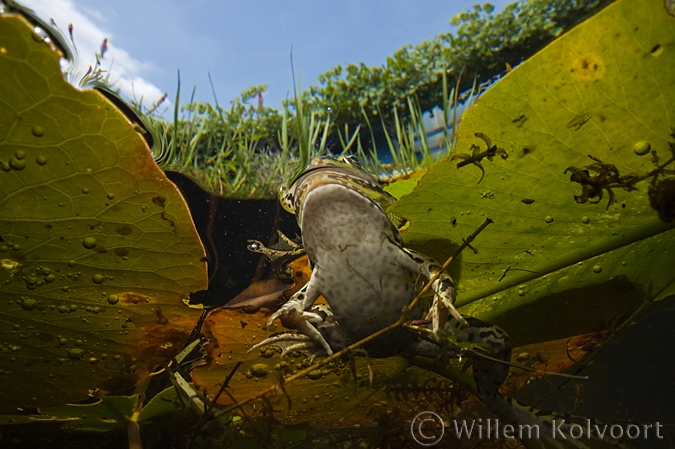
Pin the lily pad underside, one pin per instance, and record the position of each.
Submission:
(97, 248)
(587, 126)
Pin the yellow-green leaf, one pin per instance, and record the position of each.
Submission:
(605, 89)
(97, 247)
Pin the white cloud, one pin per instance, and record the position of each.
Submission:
(125, 71)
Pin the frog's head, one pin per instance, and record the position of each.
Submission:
(347, 172)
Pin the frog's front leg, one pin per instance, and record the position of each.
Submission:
(443, 287)
(295, 314)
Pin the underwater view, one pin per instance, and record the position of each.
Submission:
(469, 246)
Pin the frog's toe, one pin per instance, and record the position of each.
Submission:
(288, 313)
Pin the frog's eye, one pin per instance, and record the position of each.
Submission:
(352, 161)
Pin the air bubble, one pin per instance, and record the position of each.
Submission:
(585, 220)
(50, 278)
(113, 299)
(597, 269)
(38, 131)
(260, 370)
(111, 196)
(98, 278)
(41, 159)
(17, 164)
(315, 375)
(28, 304)
(642, 147)
(20, 154)
(548, 219)
(75, 353)
(85, 190)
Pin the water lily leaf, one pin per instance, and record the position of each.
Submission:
(326, 396)
(597, 106)
(97, 247)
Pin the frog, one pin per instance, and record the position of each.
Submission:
(362, 268)
(358, 260)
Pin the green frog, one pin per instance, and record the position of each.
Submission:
(358, 262)
(361, 267)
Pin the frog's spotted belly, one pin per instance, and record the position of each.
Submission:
(355, 263)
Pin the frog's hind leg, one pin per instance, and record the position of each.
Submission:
(443, 287)
(295, 314)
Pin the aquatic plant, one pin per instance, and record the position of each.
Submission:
(545, 287)
(240, 153)
(98, 251)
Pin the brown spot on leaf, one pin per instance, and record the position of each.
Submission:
(130, 298)
(159, 200)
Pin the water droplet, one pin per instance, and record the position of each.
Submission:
(28, 304)
(93, 360)
(315, 375)
(260, 370)
(585, 220)
(113, 299)
(20, 154)
(63, 309)
(89, 242)
(72, 307)
(597, 269)
(63, 341)
(521, 292)
(548, 219)
(41, 159)
(50, 278)
(98, 278)
(624, 263)
(17, 164)
(85, 190)
(75, 353)
(111, 196)
(38, 131)
(641, 148)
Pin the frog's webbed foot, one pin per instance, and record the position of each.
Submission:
(444, 289)
(292, 316)
(284, 247)
(319, 320)
(295, 314)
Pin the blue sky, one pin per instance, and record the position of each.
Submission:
(241, 43)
